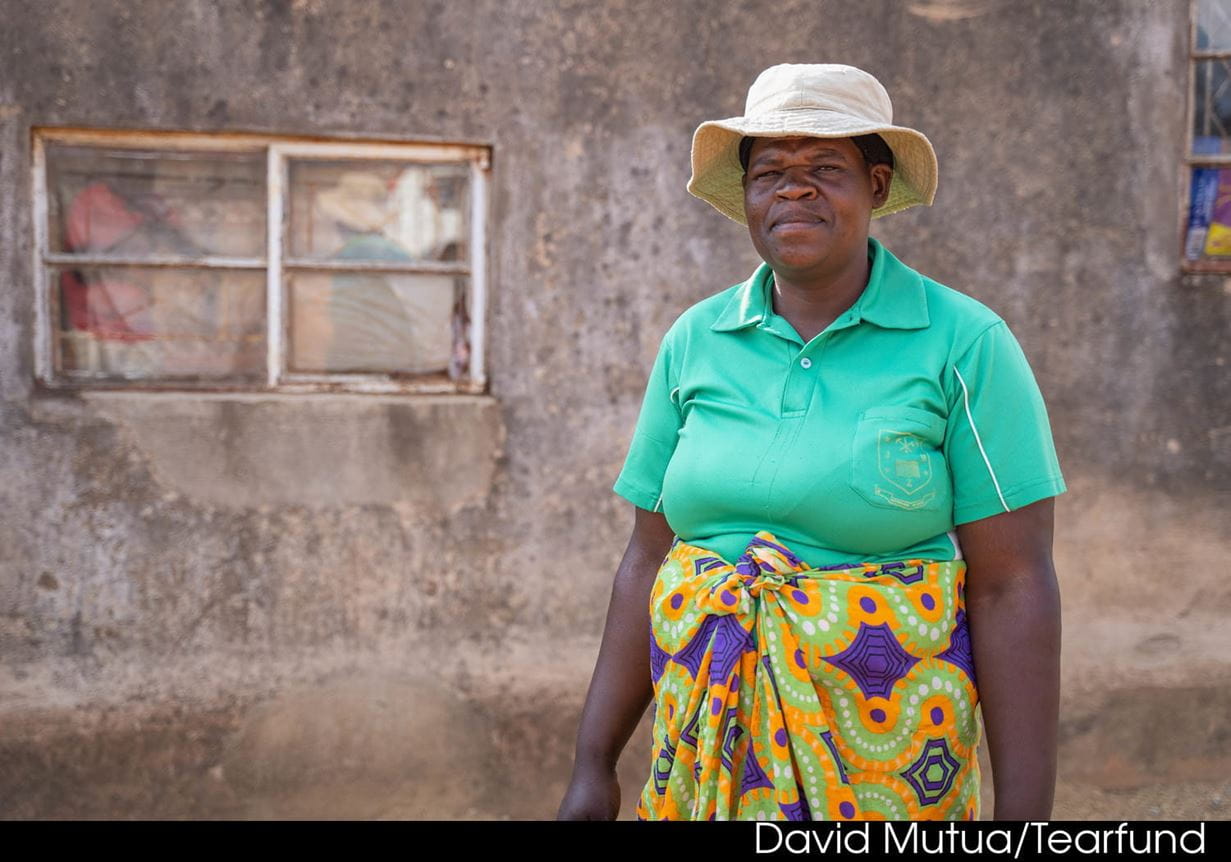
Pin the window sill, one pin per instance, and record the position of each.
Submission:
(1206, 280)
(289, 391)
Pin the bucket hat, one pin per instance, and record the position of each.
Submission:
(819, 100)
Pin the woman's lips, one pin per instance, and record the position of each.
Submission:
(797, 223)
(798, 219)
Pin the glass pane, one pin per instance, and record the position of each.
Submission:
(368, 322)
(137, 202)
(146, 324)
(1212, 107)
(1214, 25)
(379, 211)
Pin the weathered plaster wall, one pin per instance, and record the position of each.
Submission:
(257, 606)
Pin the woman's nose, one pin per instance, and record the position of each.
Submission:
(795, 187)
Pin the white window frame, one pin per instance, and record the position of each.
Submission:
(278, 151)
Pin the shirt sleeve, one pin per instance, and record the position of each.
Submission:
(654, 437)
(998, 441)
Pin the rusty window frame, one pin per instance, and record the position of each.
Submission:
(1191, 160)
(278, 151)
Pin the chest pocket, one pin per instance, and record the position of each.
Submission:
(897, 461)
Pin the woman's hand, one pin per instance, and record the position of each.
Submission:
(621, 688)
(593, 794)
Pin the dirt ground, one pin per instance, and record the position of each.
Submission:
(370, 746)
(1196, 800)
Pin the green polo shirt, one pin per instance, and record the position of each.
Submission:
(913, 412)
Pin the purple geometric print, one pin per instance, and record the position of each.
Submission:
(658, 659)
(959, 651)
(907, 575)
(932, 774)
(731, 641)
(827, 735)
(701, 565)
(754, 774)
(662, 768)
(688, 736)
(693, 653)
(874, 660)
(797, 810)
(729, 734)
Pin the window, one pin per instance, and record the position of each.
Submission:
(245, 262)
(1207, 226)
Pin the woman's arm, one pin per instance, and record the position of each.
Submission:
(620, 689)
(1013, 607)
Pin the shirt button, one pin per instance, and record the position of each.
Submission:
(805, 362)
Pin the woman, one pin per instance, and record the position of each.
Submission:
(843, 477)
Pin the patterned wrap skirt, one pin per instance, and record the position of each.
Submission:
(784, 692)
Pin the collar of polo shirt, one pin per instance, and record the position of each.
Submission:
(893, 299)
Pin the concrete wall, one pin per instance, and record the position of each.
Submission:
(389, 607)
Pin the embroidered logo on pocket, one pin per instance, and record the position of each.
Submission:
(904, 463)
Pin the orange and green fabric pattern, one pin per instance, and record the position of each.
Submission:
(786, 692)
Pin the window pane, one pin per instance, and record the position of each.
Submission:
(147, 324)
(136, 202)
(1213, 25)
(369, 322)
(1212, 104)
(378, 211)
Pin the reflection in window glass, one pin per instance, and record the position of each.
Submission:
(141, 323)
(1212, 107)
(378, 211)
(139, 203)
(374, 322)
(1213, 25)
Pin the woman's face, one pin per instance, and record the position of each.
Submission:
(808, 202)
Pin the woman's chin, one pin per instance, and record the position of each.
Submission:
(798, 259)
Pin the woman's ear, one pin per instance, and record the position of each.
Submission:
(882, 177)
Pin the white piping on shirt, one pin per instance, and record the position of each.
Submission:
(957, 546)
(671, 398)
(966, 397)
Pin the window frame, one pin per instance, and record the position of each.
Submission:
(277, 151)
(1190, 160)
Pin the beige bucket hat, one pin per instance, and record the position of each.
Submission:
(820, 100)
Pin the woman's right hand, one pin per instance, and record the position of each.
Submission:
(593, 794)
